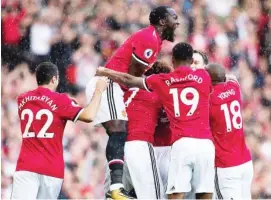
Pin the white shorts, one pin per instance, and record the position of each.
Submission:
(163, 158)
(234, 182)
(112, 106)
(191, 166)
(30, 185)
(143, 170)
(140, 171)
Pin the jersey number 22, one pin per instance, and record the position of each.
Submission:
(42, 133)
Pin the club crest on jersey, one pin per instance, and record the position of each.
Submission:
(148, 53)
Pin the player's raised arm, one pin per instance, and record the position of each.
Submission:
(89, 112)
(123, 78)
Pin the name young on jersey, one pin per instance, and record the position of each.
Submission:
(226, 94)
(189, 77)
(43, 98)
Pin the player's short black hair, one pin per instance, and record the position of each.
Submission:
(157, 68)
(158, 13)
(204, 56)
(182, 52)
(45, 72)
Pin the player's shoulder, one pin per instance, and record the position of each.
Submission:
(61, 97)
(229, 84)
(233, 83)
(203, 73)
(56, 96)
(224, 92)
(161, 76)
(21, 96)
(203, 76)
(148, 34)
(25, 94)
(183, 70)
(191, 73)
(147, 96)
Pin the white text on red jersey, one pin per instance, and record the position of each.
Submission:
(43, 98)
(189, 77)
(226, 94)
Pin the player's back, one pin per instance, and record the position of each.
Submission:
(187, 103)
(227, 125)
(162, 134)
(185, 98)
(143, 109)
(144, 45)
(43, 116)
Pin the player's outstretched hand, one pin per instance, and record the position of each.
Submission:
(102, 84)
(100, 71)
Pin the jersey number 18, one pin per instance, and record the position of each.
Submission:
(236, 114)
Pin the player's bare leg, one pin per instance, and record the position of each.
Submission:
(204, 195)
(116, 130)
(176, 196)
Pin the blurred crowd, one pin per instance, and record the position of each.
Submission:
(80, 35)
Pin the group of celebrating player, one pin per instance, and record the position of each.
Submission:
(184, 137)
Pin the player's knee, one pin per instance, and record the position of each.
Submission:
(115, 126)
(116, 139)
(115, 150)
(115, 145)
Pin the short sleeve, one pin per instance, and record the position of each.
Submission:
(144, 50)
(234, 84)
(68, 109)
(233, 81)
(151, 83)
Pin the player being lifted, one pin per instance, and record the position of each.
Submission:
(193, 153)
(234, 169)
(134, 56)
(43, 116)
(143, 109)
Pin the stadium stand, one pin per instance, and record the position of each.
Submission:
(80, 35)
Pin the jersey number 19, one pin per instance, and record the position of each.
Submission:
(183, 98)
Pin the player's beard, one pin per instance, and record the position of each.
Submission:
(168, 34)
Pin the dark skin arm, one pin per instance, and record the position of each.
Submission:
(123, 78)
(136, 68)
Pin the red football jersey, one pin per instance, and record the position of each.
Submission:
(43, 116)
(143, 109)
(227, 125)
(144, 46)
(162, 134)
(185, 97)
